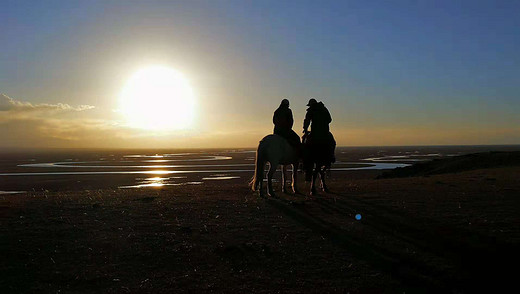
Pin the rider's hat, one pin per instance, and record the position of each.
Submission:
(312, 101)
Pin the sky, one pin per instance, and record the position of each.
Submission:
(390, 72)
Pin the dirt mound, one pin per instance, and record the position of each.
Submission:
(456, 164)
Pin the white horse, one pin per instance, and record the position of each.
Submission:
(275, 150)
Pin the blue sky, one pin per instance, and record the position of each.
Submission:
(391, 72)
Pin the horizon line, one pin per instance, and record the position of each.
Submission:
(251, 147)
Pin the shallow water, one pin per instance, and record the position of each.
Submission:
(11, 192)
(155, 184)
(378, 165)
(111, 169)
(409, 157)
(219, 178)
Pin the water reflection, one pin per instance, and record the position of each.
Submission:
(378, 165)
(199, 158)
(211, 178)
(85, 164)
(144, 172)
(409, 157)
(158, 184)
(373, 165)
(162, 170)
(11, 192)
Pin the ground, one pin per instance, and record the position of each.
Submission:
(449, 233)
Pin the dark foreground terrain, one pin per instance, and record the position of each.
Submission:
(448, 233)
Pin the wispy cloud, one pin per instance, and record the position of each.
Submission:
(11, 109)
(25, 124)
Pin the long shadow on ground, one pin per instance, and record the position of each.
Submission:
(450, 259)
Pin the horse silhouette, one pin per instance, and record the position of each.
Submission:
(277, 151)
(316, 159)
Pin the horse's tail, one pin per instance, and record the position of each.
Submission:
(260, 161)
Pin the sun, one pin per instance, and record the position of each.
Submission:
(158, 98)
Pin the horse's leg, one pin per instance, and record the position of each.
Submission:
(284, 174)
(294, 178)
(322, 176)
(261, 185)
(313, 181)
(272, 169)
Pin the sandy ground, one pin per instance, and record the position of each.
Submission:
(452, 233)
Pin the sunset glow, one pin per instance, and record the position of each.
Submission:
(235, 146)
(210, 74)
(157, 98)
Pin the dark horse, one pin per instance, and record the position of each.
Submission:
(316, 159)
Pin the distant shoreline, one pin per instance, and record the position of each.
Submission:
(77, 169)
(26, 149)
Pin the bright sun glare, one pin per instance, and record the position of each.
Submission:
(158, 98)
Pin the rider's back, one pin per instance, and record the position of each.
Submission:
(283, 118)
(319, 118)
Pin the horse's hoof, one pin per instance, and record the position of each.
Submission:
(326, 190)
(273, 194)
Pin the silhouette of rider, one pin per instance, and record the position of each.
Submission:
(318, 117)
(283, 122)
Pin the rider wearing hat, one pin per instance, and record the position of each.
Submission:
(283, 122)
(318, 118)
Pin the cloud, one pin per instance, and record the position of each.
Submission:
(28, 125)
(24, 124)
(49, 131)
(11, 109)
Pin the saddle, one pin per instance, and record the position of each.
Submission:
(318, 140)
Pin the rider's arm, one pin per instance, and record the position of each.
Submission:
(291, 119)
(307, 121)
(276, 118)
